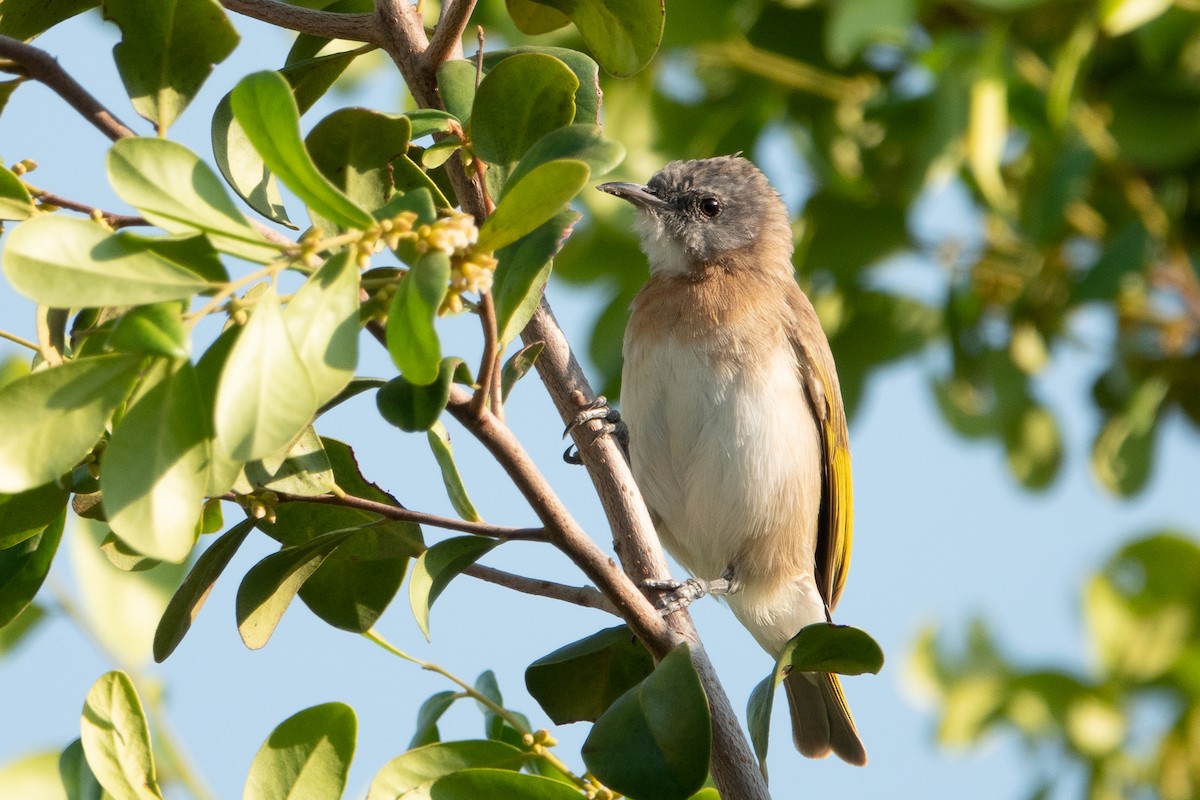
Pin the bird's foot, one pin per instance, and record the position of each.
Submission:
(678, 595)
(613, 424)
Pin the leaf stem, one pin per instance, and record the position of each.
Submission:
(12, 337)
(231, 288)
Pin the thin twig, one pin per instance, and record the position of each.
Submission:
(12, 337)
(403, 514)
(447, 36)
(326, 24)
(487, 362)
(44, 68)
(587, 596)
(113, 220)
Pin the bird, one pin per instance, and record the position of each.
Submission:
(737, 434)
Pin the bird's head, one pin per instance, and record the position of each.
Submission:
(716, 211)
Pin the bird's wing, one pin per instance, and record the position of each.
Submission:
(835, 526)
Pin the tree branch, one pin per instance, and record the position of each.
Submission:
(115, 221)
(587, 596)
(44, 68)
(403, 514)
(326, 24)
(447, 36)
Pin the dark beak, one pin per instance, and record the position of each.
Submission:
(639, 195)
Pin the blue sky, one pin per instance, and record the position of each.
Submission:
(943, 533)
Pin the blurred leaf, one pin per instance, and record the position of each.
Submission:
(1125, 253)
(177, 191)
(167, 51)
(18, 630)
(23, 515)
(412, 774)
(263, 104)
(77, 777)
(1121, 16)
(622, 34)
(32, 777)
(528, 203)
(15, 202)
(443, 453)
(1034, 447)
(579, 681)
(155, 330)
(654, 741)
(1124, 449)
(470, 784)
(124, 557)
(155, 468)
(522, 273)
(1156, 120)
(844, 236)
(322, 319)
(25, 19)
(187, 601)
(65, 262)
(307, 755)
(411, 337)
(23, 568)
(49, 420)
(437, 566)
(854, 24)
(533, 18)
(122, 608)
(116, 739)
(269, 586)
(265, 397)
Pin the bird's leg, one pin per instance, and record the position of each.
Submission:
(601, 410)
(678, 595)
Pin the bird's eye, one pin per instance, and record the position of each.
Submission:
(710, 207)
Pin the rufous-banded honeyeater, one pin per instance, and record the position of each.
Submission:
(737, 432)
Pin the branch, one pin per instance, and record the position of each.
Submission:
(44, 68)
(586, 596)
(403, 514)
(326, 24)
(115, 221)
(447, 36)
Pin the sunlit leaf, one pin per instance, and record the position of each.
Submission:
(307, 755)
(623, 35)
(531, 201)
(412, 774)
(23, 515)
(470, 784)
(522, 272)
(155, 330)
(437, 566)
(15, 202)
(322, 319)
(411, 338)
(579, 681)
(443, 453)
(116, 739)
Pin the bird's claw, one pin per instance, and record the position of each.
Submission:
(678, 595)
(612, 424)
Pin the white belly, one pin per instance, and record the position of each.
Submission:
(728, 460)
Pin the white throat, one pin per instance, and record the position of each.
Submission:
(665, 254)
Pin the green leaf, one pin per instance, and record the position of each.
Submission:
(515, 368)
(186, 603)
(354, 149)
(177, 191)
(263, 105)
(23, 568)
(154, 330)
(417, 408)
(581, 142)
(1123, 452)
(587, 96)
(410, 775)
(307, 755)
(223, 469)
(17, 632)
(411, 338)
(427, 121)
(269, 586)
(125, 558)
(623, 35)
(322, 318)
(581, 680)
(428, 715)
(122, 608)
(824, 647)
(854, 24)
(265, 397)
(533, 200)
(76, 776)
(49, 420)
(472, 784)
(439, 443)
(522, 271)
(1122, 16)
(15, 202)
(167, 50)
(456, 85)
(24, 515)
(354, 388)
(1034, 447)
(654, 741)
(758, 715)
(533, 18)
(32, 777)
(66, 262)
(25, 19)
(116, 739)
(519, 101)
(155, 468)
(437, 566)
(193, 251)
(302, 469)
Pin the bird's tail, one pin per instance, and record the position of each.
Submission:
(821, 721)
